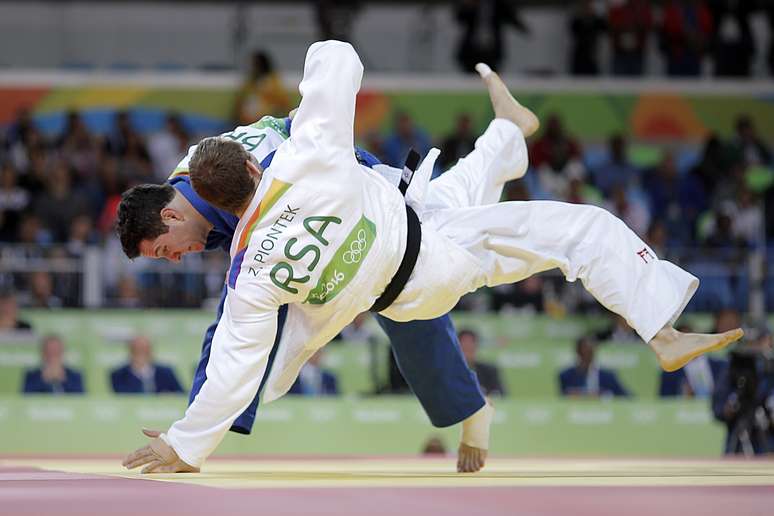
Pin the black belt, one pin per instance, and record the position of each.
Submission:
(413, 240)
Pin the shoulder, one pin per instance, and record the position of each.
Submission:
(32, 374)
(120, 371)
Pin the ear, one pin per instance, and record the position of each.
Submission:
(171, 214)
(253, 169)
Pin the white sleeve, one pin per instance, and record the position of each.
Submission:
(238, 362)
(324, 123)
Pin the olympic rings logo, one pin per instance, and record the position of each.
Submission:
(356, 248)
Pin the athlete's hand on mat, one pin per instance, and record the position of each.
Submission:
(157, 457)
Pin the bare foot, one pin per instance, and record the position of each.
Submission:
(503, 103)
(474, 443)
(470, 459)
(675, 349)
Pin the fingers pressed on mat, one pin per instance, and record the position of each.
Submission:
(138, 457)
(151, 468)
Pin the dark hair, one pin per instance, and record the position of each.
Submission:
(585, 339)
(139, 215)
(467, 332)
(219, 175)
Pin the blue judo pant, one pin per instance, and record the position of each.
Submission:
(427, 353)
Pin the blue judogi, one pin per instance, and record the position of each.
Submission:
(427, 352)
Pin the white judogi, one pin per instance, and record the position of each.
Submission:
(325, 236)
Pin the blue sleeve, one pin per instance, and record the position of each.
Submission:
(564, 386)
(30, 384)
(77, 383)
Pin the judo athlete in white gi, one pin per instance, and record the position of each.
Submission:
(345, 233)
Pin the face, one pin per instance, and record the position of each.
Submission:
(585, 354)
(181, 238)
(469, 346)
(53, 351)
(140, 351)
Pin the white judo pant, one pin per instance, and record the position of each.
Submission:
(467, 244)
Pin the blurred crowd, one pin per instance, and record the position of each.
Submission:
(706, 208)
(686, 33)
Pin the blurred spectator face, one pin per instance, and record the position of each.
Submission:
(80, 229)
(261, 64)
(404, 126)
(727, 319)
(52, 351)
(29, 230)
(464, 125)
(140, 352)
(657, 235)
(127, 292)
(745, 129)
(316, 359)
(9, 311)
(618, 148)
(666, 167)
(554, 128)
(41, 286)
(59, 180)
(469, 345)
(122, 122)
(584, 350)
(7, 177)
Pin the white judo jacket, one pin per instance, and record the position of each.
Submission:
(322, 234)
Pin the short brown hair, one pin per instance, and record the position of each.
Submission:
(219, 175)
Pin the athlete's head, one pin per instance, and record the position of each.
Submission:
(157, 222)
(224, 174)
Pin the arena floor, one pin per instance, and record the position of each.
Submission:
(382, 486)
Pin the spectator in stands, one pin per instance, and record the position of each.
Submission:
(457, 144)
(586, 28)
(769, 9)
(733, 46)
(52, 377)
(482, 23)
(630, 23)
(9, 312)
(617, 171)
(81, 235)
(262, 93)
(60, 204)
(525, 295)
(335, 18)
(630, 209)
(585, 378)
(78, 148)
(41, 291)
(696, 380)
(488, 374)
(405, 136)
(686, 30)
(167, 147)
(618, 331)
(314, 380)
(555, 154)
(555, 147)
(744, 394)
(747, 146)
(31, 232)
(116, 140)
(13, 201)
(135, 163)
(142, 375)
(748, 217)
